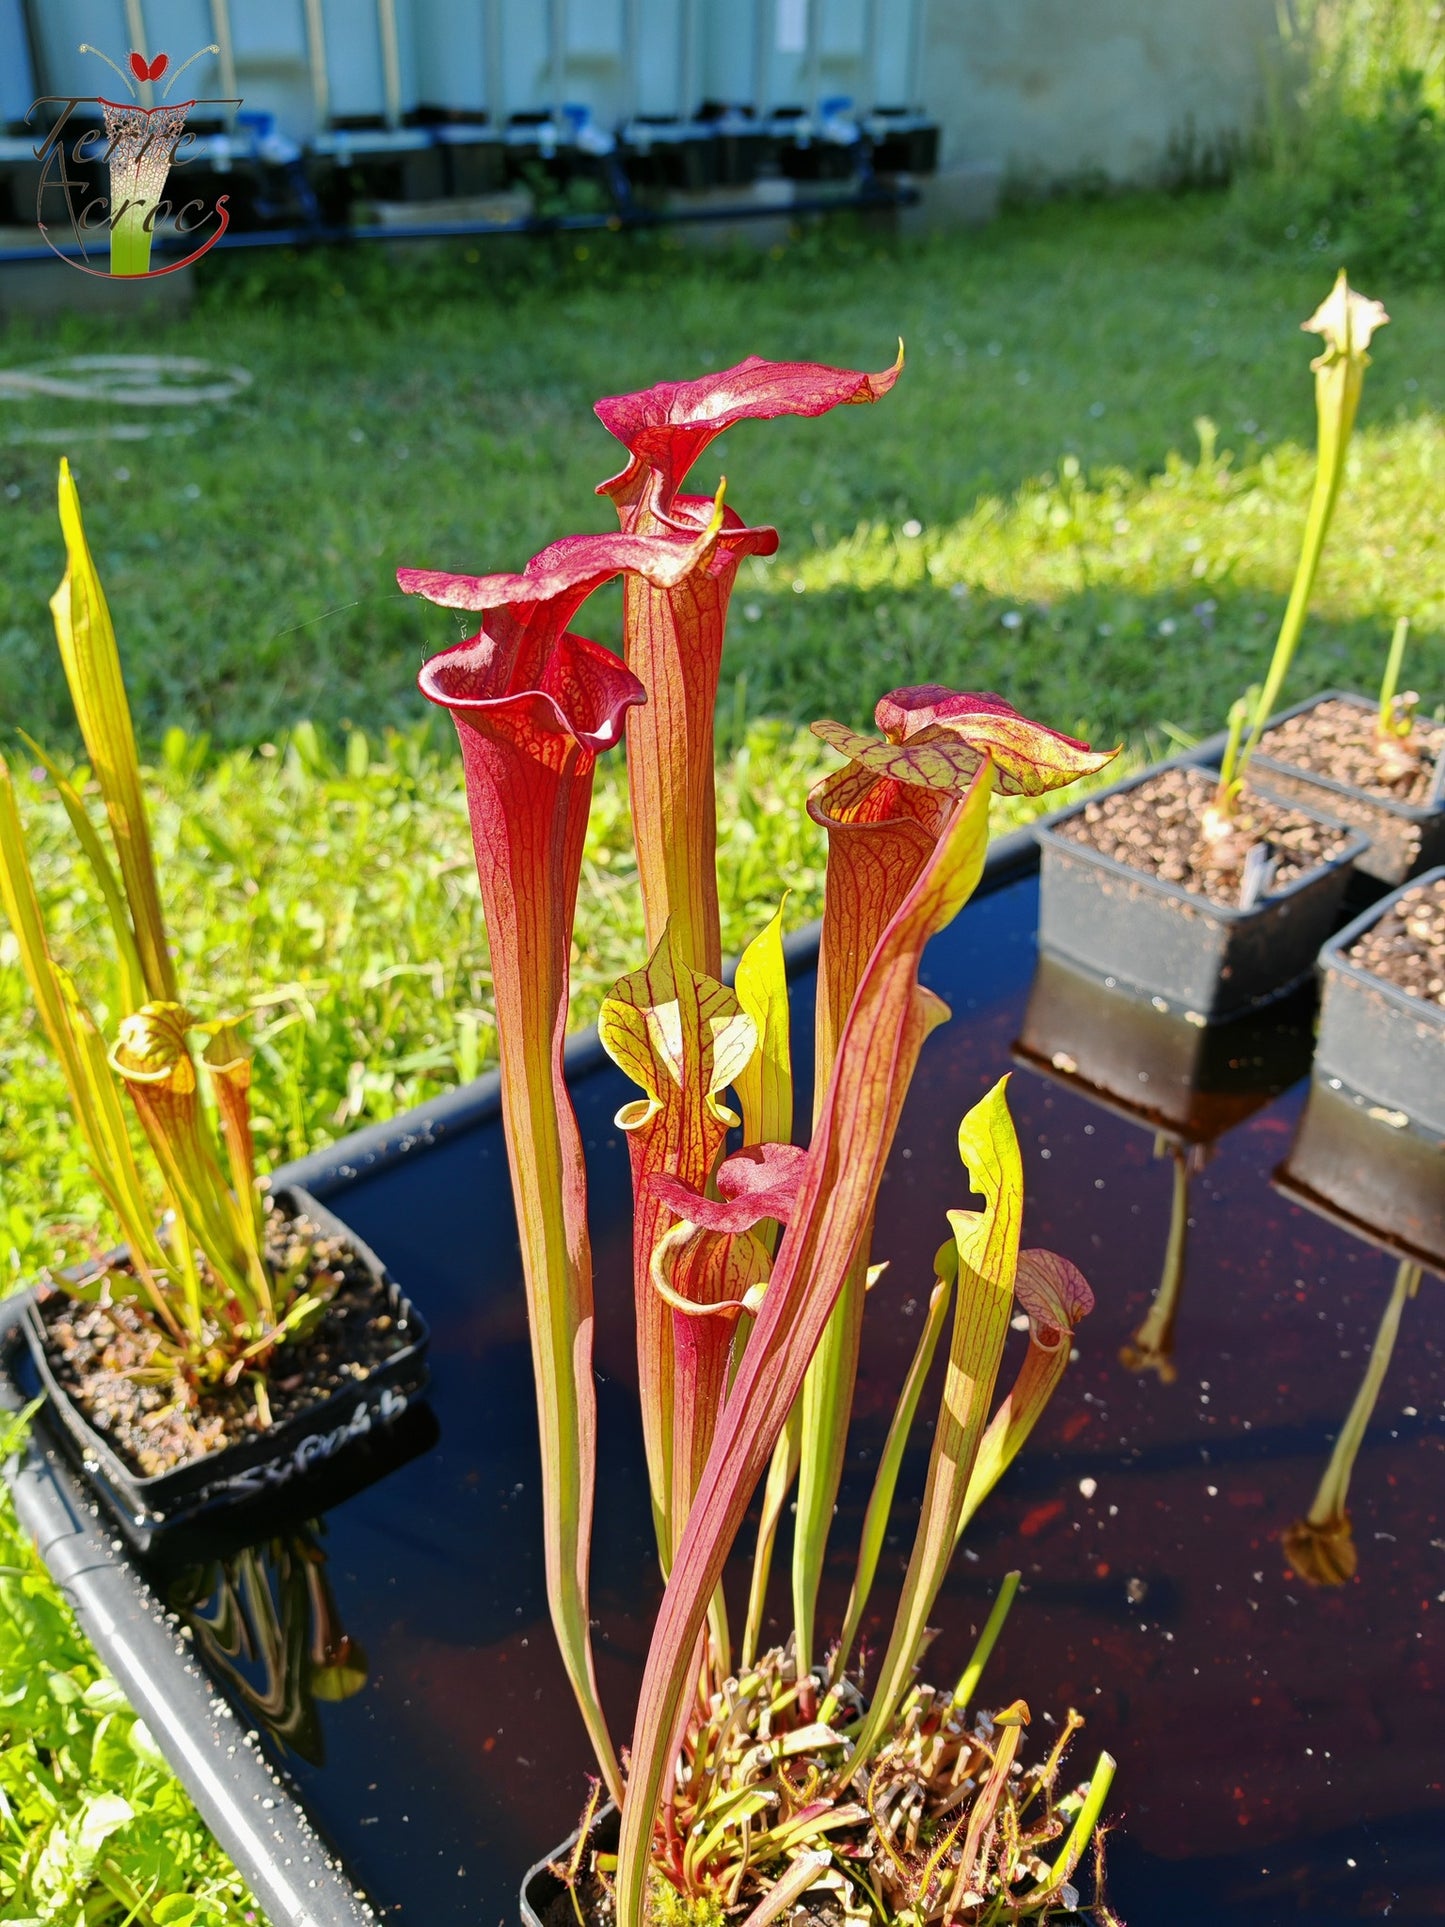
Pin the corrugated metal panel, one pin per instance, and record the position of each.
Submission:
(371, 65)
(897, 81)
(729, 38)
(526, 56)
(657, 55)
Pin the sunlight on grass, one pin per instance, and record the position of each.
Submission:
(1222, 523)
(1070, 594)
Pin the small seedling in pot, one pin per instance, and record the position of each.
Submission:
(1398, 753)
(1347, 320)
(757, 1776)
(211, 1288)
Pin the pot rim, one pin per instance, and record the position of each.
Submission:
(1333, 959)
(130, 1492)
(1414, 813)
(1046, 831)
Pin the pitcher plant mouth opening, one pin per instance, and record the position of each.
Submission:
(673, 637)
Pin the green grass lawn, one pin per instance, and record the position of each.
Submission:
(1034, 510)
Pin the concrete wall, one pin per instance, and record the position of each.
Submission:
(1055, 89)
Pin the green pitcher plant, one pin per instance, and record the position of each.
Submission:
(754, 1777)
(1347, 320)
(177, 1177)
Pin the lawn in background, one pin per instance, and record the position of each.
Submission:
(1086, 493)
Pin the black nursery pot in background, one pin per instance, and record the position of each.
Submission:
(1191, 955)
(147, 1506)
(1404, 838)
(1383, 1047)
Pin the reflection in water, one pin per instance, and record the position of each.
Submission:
(267, 1622)
(1189, 1084)
(1321, 1545)
(1151, 1349)
(1378, 1182)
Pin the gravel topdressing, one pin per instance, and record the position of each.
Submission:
(1407, 946)
(1157, 828)
(1338, 739)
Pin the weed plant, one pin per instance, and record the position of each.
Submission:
(1355, 147)
(94, 1827)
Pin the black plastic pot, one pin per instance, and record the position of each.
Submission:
(1194, 1082)
(1405, 838)
(258, 1467)
(541, 1888)
(745, 146)
(1379, 1045)
(1204, 960)
(351, 164)
(663, 152)
(474, 159)
(1377, 1182)
(903, 143)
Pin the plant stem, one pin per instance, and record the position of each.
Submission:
(1328, 477)
(972, 1673)
(1152, 1346)
(1334, 1487)
(1393, 661)
(1228, 787)
(1088, 1818)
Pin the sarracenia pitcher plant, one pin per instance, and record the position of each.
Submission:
(754, 1777)
(181, 1191)
(1347, 320)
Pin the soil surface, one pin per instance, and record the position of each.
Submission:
(1407, 946)
(105, 1357)
(1158, 828)
(599, 1909)
(1338, 739)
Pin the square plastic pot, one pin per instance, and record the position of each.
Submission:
(669, 154)
(1383, 1047)
(474, 160)
(743, 152)
(904, 144)
(1405, 838)
(147, 1505)
(1204, 960)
